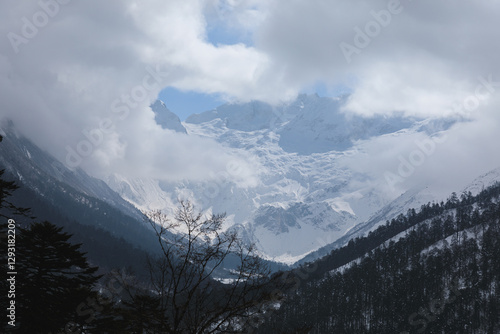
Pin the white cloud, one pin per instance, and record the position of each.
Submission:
(429, 59)
(70, 71)
(83, 81)
(423, 56)
(415, 89)
(446, 162)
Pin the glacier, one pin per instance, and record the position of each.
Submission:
(306, 196)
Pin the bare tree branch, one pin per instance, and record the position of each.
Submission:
(182, 280)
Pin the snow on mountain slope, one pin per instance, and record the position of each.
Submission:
(250, 116)
(411, 199)
(299, 198)
(324, 128)
(144, 193)
(483, 181)
(304, 193)
(310, 124)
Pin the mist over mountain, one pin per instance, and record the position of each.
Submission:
(310, 124)
(313, 210)
(113, 232)
(345, 152)
(308, 192)
(310, 195)
(307, 195)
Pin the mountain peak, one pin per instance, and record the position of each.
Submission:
(309, 124)
(165, 118)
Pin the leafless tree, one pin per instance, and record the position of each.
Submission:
(182, 280)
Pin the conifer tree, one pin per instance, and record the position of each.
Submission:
(54, 278)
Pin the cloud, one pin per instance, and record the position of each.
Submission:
(71, 69)
(445, 162)
(410, 56)
(79, 81)
(420, 58)
(416, 89)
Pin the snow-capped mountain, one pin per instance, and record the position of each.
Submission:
(305, 195)
(308, 125)
(306, 200)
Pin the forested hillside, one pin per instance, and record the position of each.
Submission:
(435, 270)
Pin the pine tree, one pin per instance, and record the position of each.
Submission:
(54, 279)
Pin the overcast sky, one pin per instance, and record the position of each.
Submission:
(70, 67)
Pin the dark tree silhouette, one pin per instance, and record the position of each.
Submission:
(54, 279)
